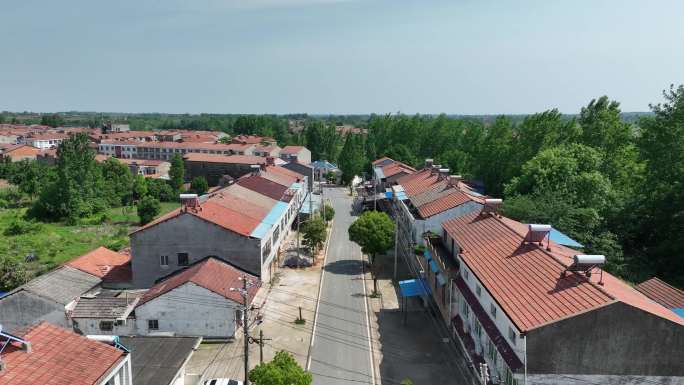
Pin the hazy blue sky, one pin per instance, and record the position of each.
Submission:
(344, 56)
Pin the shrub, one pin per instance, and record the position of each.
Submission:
(329, 213)
(18, 226)
(148, 208)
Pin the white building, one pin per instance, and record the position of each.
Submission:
(197, 301)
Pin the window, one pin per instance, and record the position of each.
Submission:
(492, 310)
(478, 329)
(444, 295)
(465, 274)
(511, 334)
(153, 324)
(465, 310)
(478, 290)
(106, 326)
(164, 260)
(182, 259)
(491, 351)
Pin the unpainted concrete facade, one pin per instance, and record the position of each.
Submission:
(213, 171)
(188, 234)
(188, 310)
(616, 339)
(87, 326)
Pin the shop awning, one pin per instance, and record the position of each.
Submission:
(413, 287)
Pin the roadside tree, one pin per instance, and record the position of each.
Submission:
(282, 370)
(374, 232)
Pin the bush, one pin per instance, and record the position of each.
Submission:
(329, 213)
(148, 208)
(18, 226)
(12, 273)
(10, 197)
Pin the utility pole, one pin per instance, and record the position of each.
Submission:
(245, 319)
(260, 341)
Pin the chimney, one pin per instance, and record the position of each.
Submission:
(256, 169)
(428, 163)
(492, 206)
(189, 201)
(270, 161)
(454, 180)
(443, 173)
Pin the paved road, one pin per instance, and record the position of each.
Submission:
(341, 352)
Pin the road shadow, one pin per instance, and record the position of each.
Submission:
(344, 267)
(415, 350)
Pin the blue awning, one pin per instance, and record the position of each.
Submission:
(427, 255)
(413, 287)
(441, 280)
(433, 266)
(679, 312)
(563, 239)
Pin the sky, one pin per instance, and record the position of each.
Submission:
(337, 56)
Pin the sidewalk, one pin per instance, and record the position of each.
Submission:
(279, 304)
(418, 350)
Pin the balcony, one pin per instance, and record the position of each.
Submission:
(445, 260)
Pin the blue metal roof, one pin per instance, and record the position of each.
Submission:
(427, 255)
(323, 164)
(2, 294)
(433, 266)
(379, 174)
(269, 220)
(413, 287)
(679, 312)
(563, 239)
(315, 203)
(296, 185)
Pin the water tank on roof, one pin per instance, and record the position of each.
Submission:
(540, 228)
(188, 196)
(586, 259)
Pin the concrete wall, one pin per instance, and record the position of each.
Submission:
(188, 234)
(614, 340)
(576, 379)
(189, 310)
(22, 309)
(88, 326)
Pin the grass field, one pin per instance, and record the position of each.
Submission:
(55, 243)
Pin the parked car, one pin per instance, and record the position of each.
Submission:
(222, 381)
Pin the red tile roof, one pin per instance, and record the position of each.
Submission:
(217, 214)
(661, 292)
(263, 186)
(58, 357)
(227, 159)
(524, 279)
(251, 139)
(292, 149)
(104, 263)
(19, 150)
(212, 274)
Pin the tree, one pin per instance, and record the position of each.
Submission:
(139, 188)
(282, 370)
(28, 176)
(656, 238)
(374, 232)
(148, 209)
(75, 189)
(199, 185)
(52, 120)
(351, 160)
(314, 233)
(224, 139)
(177, 172)
(12, 273)
(118, 181)
(160, 190)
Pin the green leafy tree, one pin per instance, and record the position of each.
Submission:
(199, 185)
(52, 120)
(655, 240)
(374, 232)
(177, 172)
(118, 182)
(322, 140)
(75, 190)
(160, 189)
(224, 140)
(28, 176)
(351, 160)
(496, 163)
(139, 189)
(314, 233)
(282, 370)
(148, 209)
